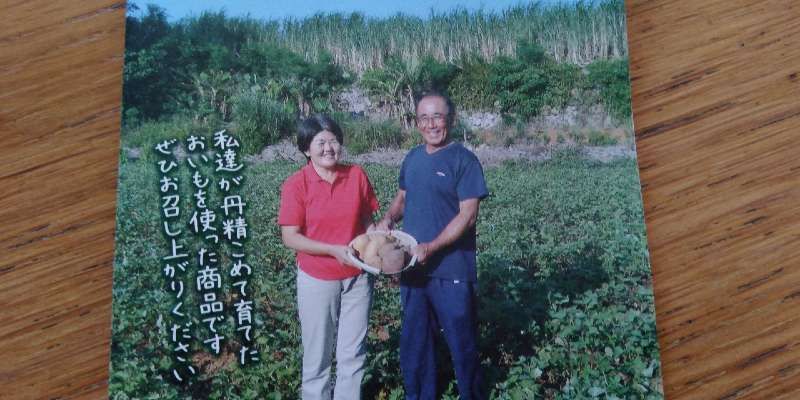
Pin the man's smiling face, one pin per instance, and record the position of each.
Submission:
(432, 116)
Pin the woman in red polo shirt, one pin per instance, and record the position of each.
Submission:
(323, 207)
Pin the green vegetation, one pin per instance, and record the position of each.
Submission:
(260, 120)
(527, 84)
(399, 83)
(571, 32)
(566, 302)
(257, 77)
(471, 88)
(364, 136)
(608, 79)
(566, 306)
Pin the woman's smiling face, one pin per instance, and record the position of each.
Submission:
(324, 150)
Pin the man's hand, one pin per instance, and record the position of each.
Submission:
(422, 251)
(465, 219)
(393, 214)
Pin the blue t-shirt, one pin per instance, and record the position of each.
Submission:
(434, 185)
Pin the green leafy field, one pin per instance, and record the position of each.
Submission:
(566, 306)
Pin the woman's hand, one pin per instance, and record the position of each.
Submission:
(341, 252)
(295, 240)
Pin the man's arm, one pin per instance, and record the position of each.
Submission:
(395, 212)
(465, 219)
(295, 240)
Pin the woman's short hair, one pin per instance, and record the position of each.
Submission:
(311, 126)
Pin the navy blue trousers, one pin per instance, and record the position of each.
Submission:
(429, 305)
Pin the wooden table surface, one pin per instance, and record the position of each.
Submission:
(716, 89)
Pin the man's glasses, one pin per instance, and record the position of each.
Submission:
(432, 120)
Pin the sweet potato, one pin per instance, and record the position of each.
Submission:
(371, 251)
(380, 239)
(373, 261)
(393, 260)
(387, 247)
(360, 243)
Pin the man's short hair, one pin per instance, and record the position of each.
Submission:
(311, 126)
(451, 108)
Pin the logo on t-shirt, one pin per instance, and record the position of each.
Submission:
(440, 173)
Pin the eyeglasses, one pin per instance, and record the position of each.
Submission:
(433, 120)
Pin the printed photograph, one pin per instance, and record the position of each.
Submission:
(380, 200)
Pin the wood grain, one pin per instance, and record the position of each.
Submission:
(60, 91)
(715, 86)
(716, 89)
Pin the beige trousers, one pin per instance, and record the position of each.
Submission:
(337, 309)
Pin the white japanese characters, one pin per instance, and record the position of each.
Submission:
(218, 262)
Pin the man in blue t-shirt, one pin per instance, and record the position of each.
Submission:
(441, 184)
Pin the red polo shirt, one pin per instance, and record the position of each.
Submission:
(329, 213)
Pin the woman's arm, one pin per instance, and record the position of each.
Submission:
(295, 240)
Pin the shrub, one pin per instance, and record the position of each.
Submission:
(260, 120)
(308, 85)
(149, 76)
(399, 83)
(323, 78)
(609, 81)
(471, 89)
(526, 85)
(433, 75)
(150, 82)
(211, 99)
(460, 132)
(597, 138)
(147, 134)
(392, 87)
(362, 136)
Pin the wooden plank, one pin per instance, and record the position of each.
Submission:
(60, 92)
(715, 93)
(715, 88)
